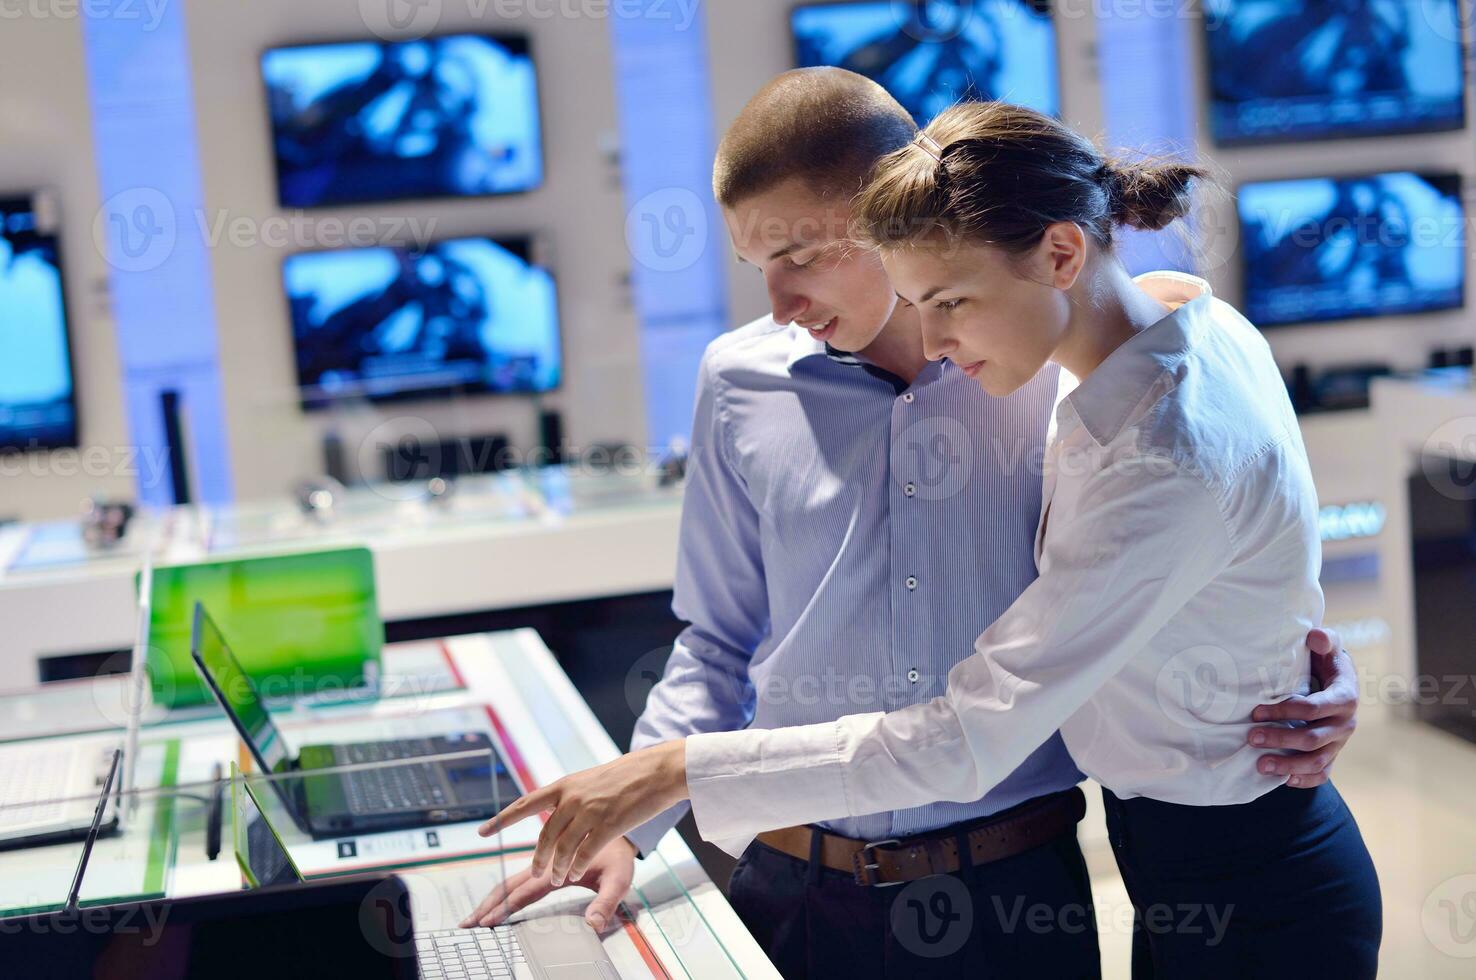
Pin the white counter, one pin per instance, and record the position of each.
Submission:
(498, 543)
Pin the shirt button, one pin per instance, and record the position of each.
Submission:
(910, 489)
(909, 398)
(911, 582)
(913, 675)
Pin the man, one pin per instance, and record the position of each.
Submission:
(855, 516)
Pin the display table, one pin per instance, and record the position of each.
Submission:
(498, 542)
(677, 922)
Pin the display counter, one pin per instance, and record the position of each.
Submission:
(675, 922)
(497, 542)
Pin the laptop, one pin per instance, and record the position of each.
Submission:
(369, 800)
(74, 895)
(63, 776)
(331, 929)
(551, 947)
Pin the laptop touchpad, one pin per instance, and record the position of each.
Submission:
(564, 947)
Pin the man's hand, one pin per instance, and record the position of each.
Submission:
(609, 874)
(593, 807)
(1329, 713)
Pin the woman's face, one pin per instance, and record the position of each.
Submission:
(999, 319)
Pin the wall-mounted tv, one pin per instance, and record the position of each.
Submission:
(448, 116)
(461, 315)
(37, 394)
(931, 54)
(1330, 248)
(1309, 69)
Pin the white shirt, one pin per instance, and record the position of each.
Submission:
(1179, 558)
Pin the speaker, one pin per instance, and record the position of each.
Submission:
(551, 437)
(1299, 387)
(410, 459)
(179, 469)
(334, 462)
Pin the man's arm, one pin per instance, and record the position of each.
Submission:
(1328, 716)
(720, 591)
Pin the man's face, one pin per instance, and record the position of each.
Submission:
(816, 278)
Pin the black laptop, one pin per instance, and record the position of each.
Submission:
(355, 928)
(359, 927)
(366, 800)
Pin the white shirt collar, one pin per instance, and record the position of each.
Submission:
(1105, 400)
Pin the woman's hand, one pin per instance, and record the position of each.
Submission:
(609, 875)
(592, 808)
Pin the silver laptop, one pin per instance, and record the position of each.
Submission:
(64, 777)
(549, 947)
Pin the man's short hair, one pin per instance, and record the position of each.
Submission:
(826, 126)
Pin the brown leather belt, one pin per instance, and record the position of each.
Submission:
(892, 862)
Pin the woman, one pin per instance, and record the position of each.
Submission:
(1178, 551)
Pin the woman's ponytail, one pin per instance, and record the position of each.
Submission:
(1000, 174)
(1150, 196)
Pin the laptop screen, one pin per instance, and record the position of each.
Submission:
(263, 858)
(358, 929)
(238, 694)
(309, 618)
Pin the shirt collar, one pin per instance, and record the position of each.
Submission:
(1104, 401)
(803, 345)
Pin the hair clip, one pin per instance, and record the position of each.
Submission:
(929, 146)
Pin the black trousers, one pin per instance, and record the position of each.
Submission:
(1025, 916)
(1279, 887)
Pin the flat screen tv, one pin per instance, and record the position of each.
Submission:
(931, 54)
(38, 407)
(1330, 248)
(461, 315)
(450, 116)
(1312, 69)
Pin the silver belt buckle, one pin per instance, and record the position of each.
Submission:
(867, 862)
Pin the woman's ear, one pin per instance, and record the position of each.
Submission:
(1064, 248)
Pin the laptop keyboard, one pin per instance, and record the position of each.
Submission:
(34, 775)
(393, 787)
(410, 748)
(473, 954)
